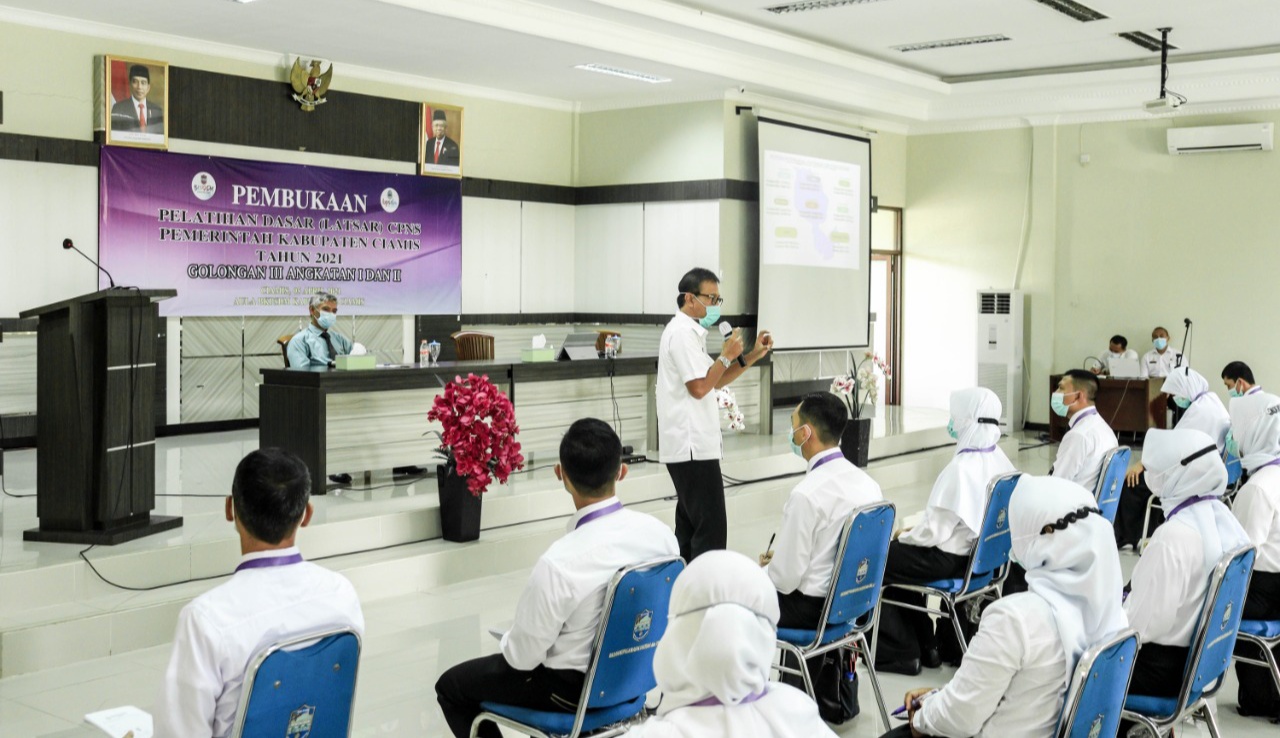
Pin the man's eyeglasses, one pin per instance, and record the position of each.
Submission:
(715, 299)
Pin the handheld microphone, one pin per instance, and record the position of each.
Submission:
(67, 244)
(726, 330)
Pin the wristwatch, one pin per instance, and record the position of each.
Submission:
(726, 361)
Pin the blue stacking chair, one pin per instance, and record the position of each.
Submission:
(1211, 646)
(988, 564)
(620, 671)
(1095, 697)
(853, 600)
(304, 686)
(1265, 634)
(1115, 464)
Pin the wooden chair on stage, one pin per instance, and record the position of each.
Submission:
(473, 345)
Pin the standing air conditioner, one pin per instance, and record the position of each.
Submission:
(1000, 352)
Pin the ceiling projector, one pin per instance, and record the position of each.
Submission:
(1162, 105)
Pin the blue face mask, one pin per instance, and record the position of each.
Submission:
(326, 320)
(1182, 402)
(1059, 407)
(1232, 447)
(1161, 344)
(711, 318)
(951, 429)
(1235, 393)
(795, 447)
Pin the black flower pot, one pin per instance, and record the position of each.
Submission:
(855, 442)
(459, 509)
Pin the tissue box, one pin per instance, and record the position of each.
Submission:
(533, 354)
(345, 362)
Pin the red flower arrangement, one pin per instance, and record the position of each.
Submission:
(479, 431)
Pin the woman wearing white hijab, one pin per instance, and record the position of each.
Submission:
(1013, 679)
(1255, 420)
(1171, 579)
(713, 662)
(938, 547)
(1202, 411)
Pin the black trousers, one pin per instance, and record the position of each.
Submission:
(701, 524)
(461, 689)
(1132, 510)
(902, 731)
(905, 634)
(1258, 694)
(799, 611)
(1157, 673)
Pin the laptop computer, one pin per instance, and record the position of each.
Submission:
(578, 346)
(1124, 368)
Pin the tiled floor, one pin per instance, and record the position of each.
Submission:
(410, 639)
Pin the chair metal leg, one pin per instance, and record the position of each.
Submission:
(955, 623)
(1211, 720)
(860, 646)
(875, 632)
(1146, 525)
(803, 667)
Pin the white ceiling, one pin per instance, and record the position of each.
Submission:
(837, 60)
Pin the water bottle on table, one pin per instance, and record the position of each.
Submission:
(424, 353)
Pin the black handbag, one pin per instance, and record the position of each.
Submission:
(835, 687)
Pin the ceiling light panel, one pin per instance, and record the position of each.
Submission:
(815, 5)
(1145, 40)
(952, 43)
(652, 79)
(1073, 9)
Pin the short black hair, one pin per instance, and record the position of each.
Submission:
(1238, 370)
(270, 493)
(1159, 328)
(1121, 340)
(590, 456)
(1085, 382)
(692, 282)
(826, 414)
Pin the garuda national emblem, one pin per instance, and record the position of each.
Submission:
(309, 84)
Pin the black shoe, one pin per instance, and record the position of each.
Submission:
(406, 470)
(910, 667)
(1246, 712)
(340, 478)
(930, 659)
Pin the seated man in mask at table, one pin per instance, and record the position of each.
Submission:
(1013, 679)
(1203, 411)
(1255, 422)
(1117, 350)
(1171, 579)
(318, 344)
(938, 547)
(713, 663)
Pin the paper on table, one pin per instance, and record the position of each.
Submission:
(122, 722)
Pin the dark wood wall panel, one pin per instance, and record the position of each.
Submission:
(45, 149)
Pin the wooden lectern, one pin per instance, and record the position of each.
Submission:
(95, 427)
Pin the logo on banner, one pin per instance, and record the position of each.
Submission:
(203, 186)
(390, 200)
(300, 722)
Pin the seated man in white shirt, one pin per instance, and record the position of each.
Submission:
(1088, 437)
(1238, 379)
(543, 659)
(1160, 360)
(273, 596)
(1117, 350)
(804, 560)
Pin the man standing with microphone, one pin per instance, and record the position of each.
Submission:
(688, 417)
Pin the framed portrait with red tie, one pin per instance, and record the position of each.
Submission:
(441, 148)
(135, 102)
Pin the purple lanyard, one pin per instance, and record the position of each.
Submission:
(1082, 415)
(594, 514)
(270, 561)
(1189, 503)
(1252, 390)
(986, 450)
(714, 701)
(826, 459)
(1273, 462)
(1197, 397)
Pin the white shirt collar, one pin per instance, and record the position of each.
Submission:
(1076, 418)
(579, 515)
(696, 325)
(823, 454)
(272, 554)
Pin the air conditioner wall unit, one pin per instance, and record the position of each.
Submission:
(999, 352)
(1219, 139)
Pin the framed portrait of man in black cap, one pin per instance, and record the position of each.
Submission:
(136, 102)
(441, 150)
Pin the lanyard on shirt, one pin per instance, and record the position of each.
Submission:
(1082, 415)
(1197, 397)
(270, 561)
(986, 450)
(1189, 503)
(596, 514)
(714, 701)
(826, 459)
(1273, 462)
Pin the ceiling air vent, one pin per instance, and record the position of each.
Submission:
(1073, 9)
(815, 5)
(1145, 40)
(952, 42)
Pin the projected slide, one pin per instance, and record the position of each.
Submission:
(810, 211)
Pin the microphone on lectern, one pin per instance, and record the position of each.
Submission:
(67, 244)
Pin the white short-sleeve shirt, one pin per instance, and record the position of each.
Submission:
(688, 429)
(1156, 364)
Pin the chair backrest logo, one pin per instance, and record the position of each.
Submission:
(1002, 518)
(1226, 615)
(864, 567)
(1095, 728)
(300, 722)
(644, 621)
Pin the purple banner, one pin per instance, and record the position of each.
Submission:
(238, 237)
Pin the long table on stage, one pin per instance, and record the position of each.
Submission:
(358, 420)
(1126, 405)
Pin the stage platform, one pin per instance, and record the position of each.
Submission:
(54, 610)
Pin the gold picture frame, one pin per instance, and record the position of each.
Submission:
(440, 155)
(123, 79)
